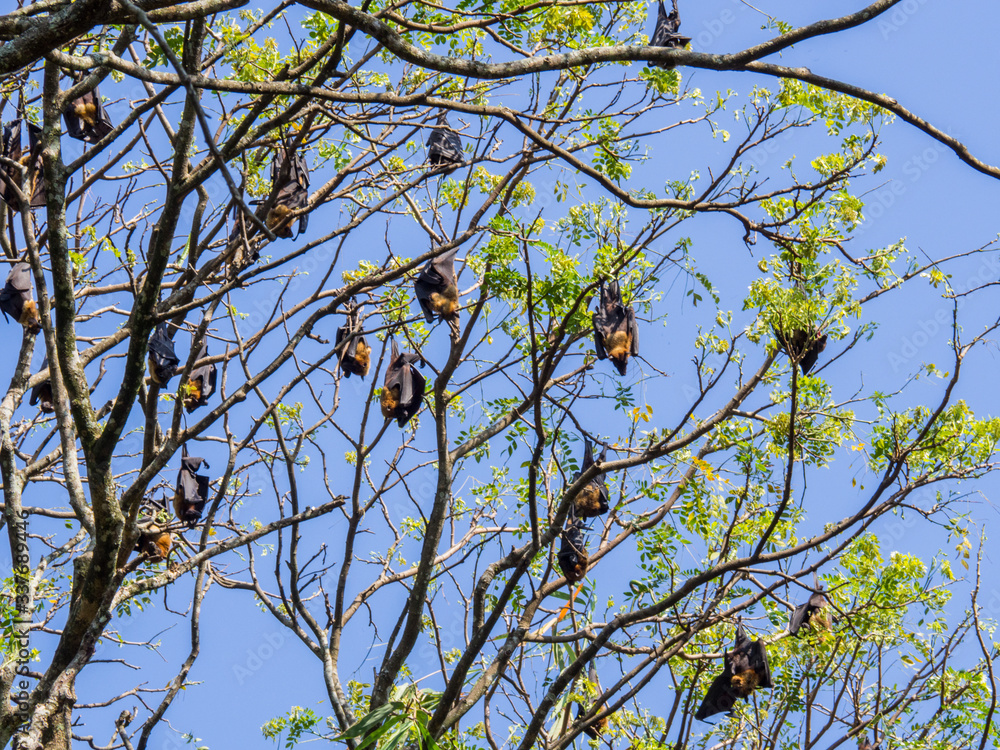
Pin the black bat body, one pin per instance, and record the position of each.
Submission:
(86, 118)
(444, 147)
(403, 387)
(802, 347)
(355, 355)
(810, 614)
(437, 288)
(12, 148)
(615, 334)
(191, 493)
(162, 360)
(41, 394)
(745, 669)
(201, 383)
(665, 33)
(16, 300)
(592, 500)
(572, 557)
(290, 174)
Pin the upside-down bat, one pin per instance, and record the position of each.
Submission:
(665, 34)
(201, 383)
(437, 289)
(290, 175)
(10, 179)
(615, 333)
(41, 394)
(572, 557)
(355, 355)
(810, 614)
(191, 493)
(16, 300)
(745, 669)
(403, 387)
(592, 500)
(802, 347)
(162, 360)
(599, 727)
(86, 119)
(444, 147)
(154, 543)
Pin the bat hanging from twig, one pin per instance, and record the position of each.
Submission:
(436, 287)
(403, 387)
(355, 354)
(745, 669)
(444, 146)
(162, 359)
(16, 299)
(616, 336)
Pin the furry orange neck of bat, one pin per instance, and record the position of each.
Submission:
(358, 364)
(389, 401)
(87, 111)
(29, 316)
(743, 683)
(445, 302)
(193, 395)
(588, 502)
(275, 216)
(619, 345)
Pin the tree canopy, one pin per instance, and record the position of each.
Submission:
(534, 392)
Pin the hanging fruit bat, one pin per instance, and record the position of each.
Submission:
(444, 147)
(201, 383)
(10, 178)
(154, 543)
(615, 333)
(162, 360)
(403, 387)
(599, 727)
(665, 33)
(801, 347)
(41, 394)
(572, 557)
(86, 119)
(192, 489)
(745, 669)
(355, 355)
(810, 614)
(437, 289)
(16, 300)
(290, 175)
(592, 500)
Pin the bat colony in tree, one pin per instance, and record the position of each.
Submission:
(615, 335)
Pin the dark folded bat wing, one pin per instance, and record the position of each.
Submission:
(758, 663)
(633, 329)
(19, 277)
(720, 698)
(813, 354)
(411, 394)
(799, 618)
(600, 326)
